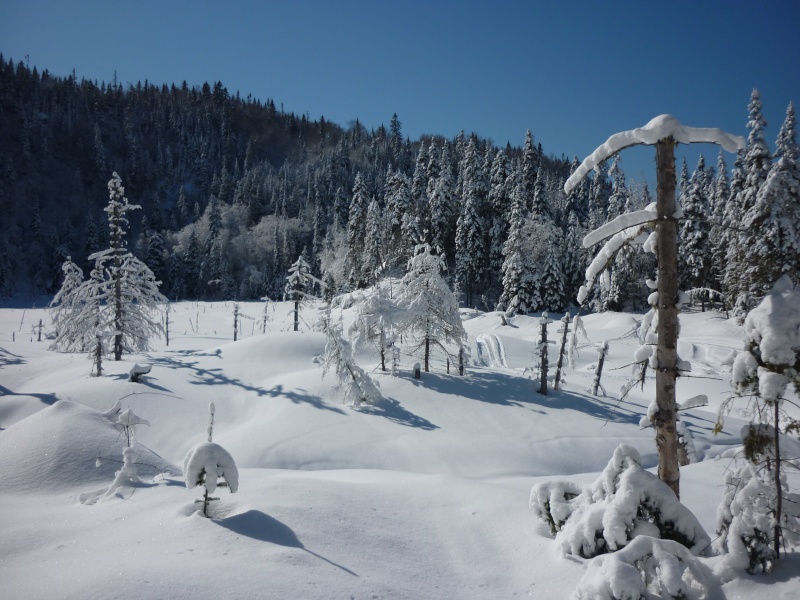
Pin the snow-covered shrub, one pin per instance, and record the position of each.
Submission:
(206, 463)
(645, 568)
(553, 502)
(623, 503)
(748, 514)
(759, 514)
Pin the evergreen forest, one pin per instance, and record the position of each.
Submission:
(234, 190)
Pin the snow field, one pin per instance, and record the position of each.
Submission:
(423, 496)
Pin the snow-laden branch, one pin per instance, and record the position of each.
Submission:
(622, 222)
(659, 128)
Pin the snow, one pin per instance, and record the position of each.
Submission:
(660, 127)
(423, 495)
(622, 222)
(212, 460)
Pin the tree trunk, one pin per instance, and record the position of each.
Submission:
(427, 352)
(297, 315)
(778, 489)
(666, 352)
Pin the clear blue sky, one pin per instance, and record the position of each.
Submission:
(574, 72)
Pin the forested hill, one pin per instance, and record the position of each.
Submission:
(233, 190)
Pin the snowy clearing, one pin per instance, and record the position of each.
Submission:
(424, 495)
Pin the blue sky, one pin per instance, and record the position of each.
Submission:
(574, 72)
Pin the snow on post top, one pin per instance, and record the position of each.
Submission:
(663, 126)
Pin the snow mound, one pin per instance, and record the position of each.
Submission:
(275, 353)
(56, 449)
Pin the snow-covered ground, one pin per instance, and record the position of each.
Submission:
(422, 496)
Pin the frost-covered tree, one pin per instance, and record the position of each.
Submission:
(774, 250)
(357, 231)
(694, 248)
(63, 303)
(442, 205)
(375, 320)
(373, 260)
(470, 246)
(299, 286)
(431, 310)
(518, 290)
(756, 166)
(500, 202)
(120, 297)
(358, 385)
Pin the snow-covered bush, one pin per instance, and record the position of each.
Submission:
(358, 385)
(625, 502)
(645, 568)
(206, 463)
(759, 514)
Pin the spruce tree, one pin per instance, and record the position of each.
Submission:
(774, 219)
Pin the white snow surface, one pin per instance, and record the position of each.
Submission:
(424, 495)
(662, 126)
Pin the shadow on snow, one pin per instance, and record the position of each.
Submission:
(511, 390)
(264, 528)
(217, 376)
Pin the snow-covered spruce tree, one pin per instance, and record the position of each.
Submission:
(206, 463)
(665, 132)
(755, 167)
(693, 236)
(129, 291)
(442, 204)
(500, 202)
(758, 514)
(372, 261)
(431, 309)
(517, 296)
(470, 230)
(63, 302)
(356, 233)
(299, 286)
(358, 385)
(774, 250)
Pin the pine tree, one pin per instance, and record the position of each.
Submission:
(774, 218)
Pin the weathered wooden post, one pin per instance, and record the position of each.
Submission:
(565, 321)
(664, 420)
(236, 320)
(543, 360)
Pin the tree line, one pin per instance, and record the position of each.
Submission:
(234, 190)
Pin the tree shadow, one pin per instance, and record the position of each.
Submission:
(9, 359)
(264, 528)
(48, 399)
(391, 409)
(217, 376)
(510, 390)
